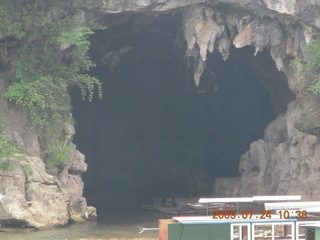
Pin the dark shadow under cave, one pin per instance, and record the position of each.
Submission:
(154, 133)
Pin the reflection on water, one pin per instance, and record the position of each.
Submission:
(115, 228)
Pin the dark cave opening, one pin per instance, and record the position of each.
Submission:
(154, 133)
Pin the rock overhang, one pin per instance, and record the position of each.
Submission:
(211, 26)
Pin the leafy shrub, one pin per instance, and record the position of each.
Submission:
(310, 68)
(306, 123)
(309, 71)
(26, 167)
(57, 160)
(7, 150)
(8, 26)
(43, 74)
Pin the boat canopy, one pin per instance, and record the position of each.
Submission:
(310, 206)
(256, 218)
(251, 199)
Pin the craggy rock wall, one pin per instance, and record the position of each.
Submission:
(28, 194)
(285, 161)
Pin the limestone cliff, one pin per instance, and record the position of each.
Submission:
(32, 197)
(33, 193)
(285, 161)
(29, 196)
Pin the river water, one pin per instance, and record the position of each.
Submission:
(114, 228)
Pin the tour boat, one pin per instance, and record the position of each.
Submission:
(277, 221)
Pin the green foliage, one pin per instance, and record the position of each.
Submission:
(309, 121)
(314, 87)
(43, 74)
(49, 67)
(26, 167)
(8, 26)
(313, 62)
(7, 150)
(305, 124)
(57, 159)
(310, 69)
(85, 4)
(55, 140)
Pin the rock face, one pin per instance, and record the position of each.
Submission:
(283, 26)
(17, 126)
(30, 196)
(285, 161)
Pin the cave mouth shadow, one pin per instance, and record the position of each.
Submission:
(154, 134)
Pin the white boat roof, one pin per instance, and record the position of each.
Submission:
(238, 219)
(315, 224)
(310, 206)
(251, 199)
(277, 198)
(225, 200)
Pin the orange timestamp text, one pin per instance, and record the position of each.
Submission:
(262, 215)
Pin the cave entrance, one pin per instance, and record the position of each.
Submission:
(154, 134)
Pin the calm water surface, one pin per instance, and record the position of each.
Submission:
(114, 228)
